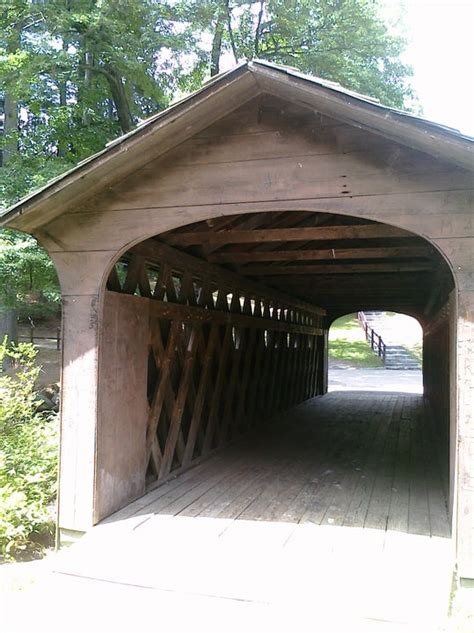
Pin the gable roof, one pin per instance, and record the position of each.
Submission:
(217, 98)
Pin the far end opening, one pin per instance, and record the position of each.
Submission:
(376, 350)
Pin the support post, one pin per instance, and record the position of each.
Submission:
(79, 385)
(465, 429)
(78, 412)
(322, 379)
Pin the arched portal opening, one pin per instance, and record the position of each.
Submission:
(221, 327)
(376, 350)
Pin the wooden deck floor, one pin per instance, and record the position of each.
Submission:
(344, 499)
(348, 459)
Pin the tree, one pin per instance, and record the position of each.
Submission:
(345, 41)
(75, 74)
(28, 281)
(79, 72)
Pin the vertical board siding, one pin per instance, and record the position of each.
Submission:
(123, 409)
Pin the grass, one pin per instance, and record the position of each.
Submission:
(356, 353)
(347, 344)
(417, 351)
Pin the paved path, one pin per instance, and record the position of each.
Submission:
(401, 381)
(335, 521)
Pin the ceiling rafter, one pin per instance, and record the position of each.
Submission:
(285, 235)
(331, 254)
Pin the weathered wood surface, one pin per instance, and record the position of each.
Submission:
(192, 270)
(339, 178)
(123, 410)
(343, 459)
(221, 379)
(79, 393)
(331, 269)
(387, 252)
(290, 234)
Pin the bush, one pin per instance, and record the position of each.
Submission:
(28, 459)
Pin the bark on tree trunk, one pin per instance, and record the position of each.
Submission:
(9, 328)
(10, 107)
(8, 324)
(256, 44)
(217, 42)
(88, 64)
(62, 85)
(119, 95)
(10, 127)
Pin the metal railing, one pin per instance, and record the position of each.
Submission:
(376, 342)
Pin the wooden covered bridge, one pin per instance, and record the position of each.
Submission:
(202, 259)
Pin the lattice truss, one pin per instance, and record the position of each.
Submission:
(224, 355)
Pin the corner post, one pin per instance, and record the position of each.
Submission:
(80, 276)
(465, 428)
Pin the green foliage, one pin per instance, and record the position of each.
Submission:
(28, 280)
(77, 74)
(346, 41)
(347, 322)
(28, 459)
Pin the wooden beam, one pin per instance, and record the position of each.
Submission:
(361, 283)
(309, 233)
(437, 289)
(324, 269)
(157, 251)
(327, 253)
(193, 314)
(355, 280)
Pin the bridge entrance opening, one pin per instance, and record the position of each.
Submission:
(216, 345)
(229, 320)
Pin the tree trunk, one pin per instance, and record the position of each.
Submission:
(9, 328)
(10, 126)
(230, 31)
(88, 64)
(62, 86)
(217, 41)
(10, 107)
(8, 324)
(119, 95)
(256, 44)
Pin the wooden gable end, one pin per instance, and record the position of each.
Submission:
(267, 155)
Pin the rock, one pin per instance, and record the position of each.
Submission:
(48, 398)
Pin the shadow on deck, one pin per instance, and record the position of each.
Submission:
(366, 460)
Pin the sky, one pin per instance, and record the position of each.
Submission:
(441, 52)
